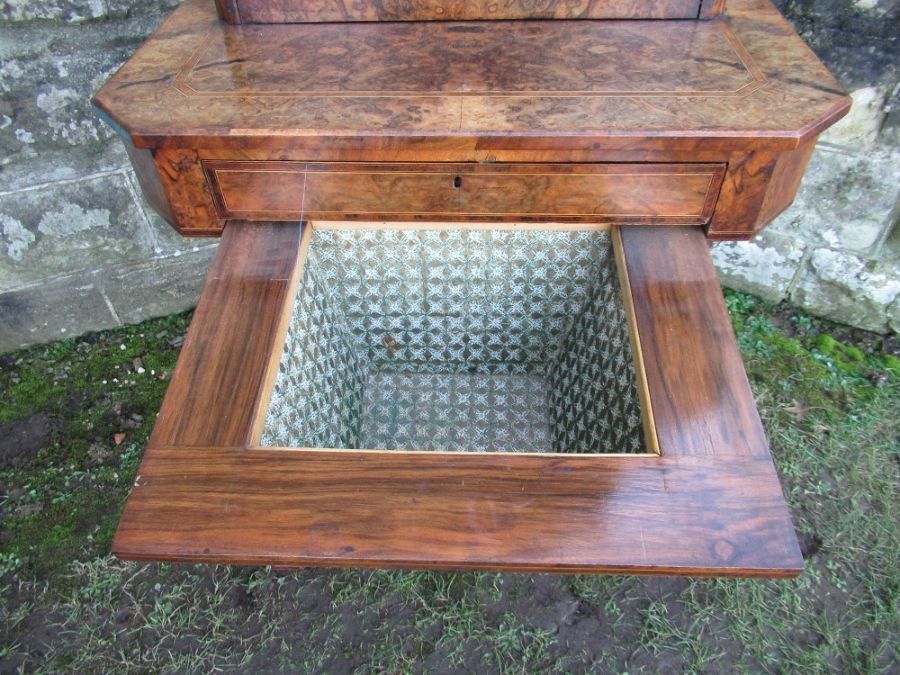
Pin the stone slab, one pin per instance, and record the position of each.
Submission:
(862, 125)
(76, 11)
(846, 200)
(848, 288)
(765, 266)
(158, 287)
(65, 228)
(48, 73)
(86, 302)
(53, 310)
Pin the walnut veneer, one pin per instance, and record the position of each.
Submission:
(671, 133)
(708, 503)
(742, 91)
(621, 193)
(303, 11)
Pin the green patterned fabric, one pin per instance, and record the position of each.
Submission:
(457, 339)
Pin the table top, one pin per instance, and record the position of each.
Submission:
(745, 75)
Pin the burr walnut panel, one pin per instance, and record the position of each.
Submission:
(300, 11)
(742, 91)
(601, 85)
(465, 60)
(646, 193)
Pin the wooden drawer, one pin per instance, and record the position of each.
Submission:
(507, 397)
(604, 193)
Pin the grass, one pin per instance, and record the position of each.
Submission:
(81, 411)
(77, 413)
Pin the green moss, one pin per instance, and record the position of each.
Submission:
(798, 364)
(892, 365)
(846, 358)
(68, 483)
(80, 527)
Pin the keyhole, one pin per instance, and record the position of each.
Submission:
(457, 181)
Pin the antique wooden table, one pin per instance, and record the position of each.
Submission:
(463, 313)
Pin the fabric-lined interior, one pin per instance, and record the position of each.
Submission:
(457, 339)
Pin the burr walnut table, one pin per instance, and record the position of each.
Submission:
(463, 313)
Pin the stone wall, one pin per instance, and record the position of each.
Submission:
(79, 248)
(836, 251)
(81, 251)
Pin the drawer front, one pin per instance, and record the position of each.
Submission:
(609, 193)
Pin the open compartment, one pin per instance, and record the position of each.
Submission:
(664, 467)
(458, 338)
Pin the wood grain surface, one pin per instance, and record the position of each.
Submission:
(216, 382)
(199, 82)
(702, 402)
(698, 516)
(646, 193)
(189, 199)
(544, 58)
(294, 11)
(743, 91)
(709, 504)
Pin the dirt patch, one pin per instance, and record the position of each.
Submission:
(21, 440)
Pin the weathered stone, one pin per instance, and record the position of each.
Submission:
(765, 266)
(18, 238)
(846, 199)
(848, 289)
(158, 287)
(860, 128)
(64, 307)
(893, 315)
(890, 249)
(73, 11)
(81, 303)
(48, 73)
(69, 227)
(76, 11)
(129, 8)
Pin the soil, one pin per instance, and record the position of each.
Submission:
(21, 439)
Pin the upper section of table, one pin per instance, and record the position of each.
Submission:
(595, 83)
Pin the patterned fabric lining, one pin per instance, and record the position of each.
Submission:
(457, 339)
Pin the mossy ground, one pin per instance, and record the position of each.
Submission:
(75, 416)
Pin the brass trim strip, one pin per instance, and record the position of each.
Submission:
(277, 347)
(640, 372)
